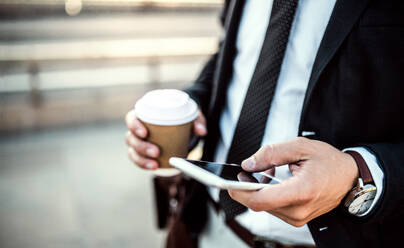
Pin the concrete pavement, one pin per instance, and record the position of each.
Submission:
(74, 187)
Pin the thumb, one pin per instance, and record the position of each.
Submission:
(270, 156)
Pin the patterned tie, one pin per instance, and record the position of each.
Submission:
(253, 116)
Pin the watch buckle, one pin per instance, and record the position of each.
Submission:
(360, 184)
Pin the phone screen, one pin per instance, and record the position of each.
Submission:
(236, 173)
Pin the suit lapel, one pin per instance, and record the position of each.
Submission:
(342, 20)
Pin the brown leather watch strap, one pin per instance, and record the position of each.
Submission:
(364, 171)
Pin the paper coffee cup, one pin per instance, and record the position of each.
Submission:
(168, 115)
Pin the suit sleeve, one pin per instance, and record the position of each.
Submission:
(391, 158)
(201, 89)
(375, 170)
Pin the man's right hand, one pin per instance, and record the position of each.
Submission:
(144, 153)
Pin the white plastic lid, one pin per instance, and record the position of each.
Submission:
(166, 107)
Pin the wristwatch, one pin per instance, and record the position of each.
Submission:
(361, 197)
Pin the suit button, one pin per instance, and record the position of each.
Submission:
(308, 133)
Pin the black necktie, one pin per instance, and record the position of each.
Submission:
(253, 116)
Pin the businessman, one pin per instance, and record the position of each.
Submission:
(309, 90)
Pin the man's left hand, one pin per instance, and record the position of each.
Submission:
(322, 176)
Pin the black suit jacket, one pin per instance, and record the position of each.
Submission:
(355, 97)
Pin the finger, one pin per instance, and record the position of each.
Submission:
(247, 198)
(252, 200)
(266, 179)
(294, 215)
(200, 125)
(272, 197)
(271, 171)
(273, 155)
(140, 161)
(294, 168)
(244, 177)
(142, 147)
(134, 125)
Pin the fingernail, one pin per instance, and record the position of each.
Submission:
(150, 165)
(243, 178)
(151, 152)
(201, 127)
(140, 132)
(248, 164)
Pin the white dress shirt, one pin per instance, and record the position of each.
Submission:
(306, 33)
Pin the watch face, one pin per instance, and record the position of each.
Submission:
(362, 200)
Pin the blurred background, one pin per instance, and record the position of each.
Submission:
(69, 72)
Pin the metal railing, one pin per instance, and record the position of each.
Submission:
(29, 58)
(117, 3)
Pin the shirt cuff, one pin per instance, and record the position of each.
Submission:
(376, 171)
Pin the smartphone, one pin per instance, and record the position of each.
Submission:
(234, 177)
